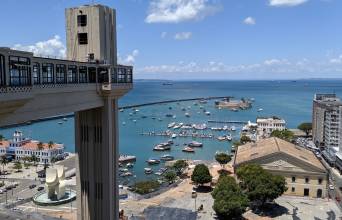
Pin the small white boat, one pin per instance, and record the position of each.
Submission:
(159, 119)
(173, 135)
(174, 116)
(233, 128)
(221, 138)
(187, 114)
(229, 138)
(207, 113)
(167, 157)
(129, 165)
(225, 128)
(260, 109)
(65, 119)
(148, 170)
(171, 125)
(177, 126)
(195, 144)
(60, 122)
(121, 109)
(188, 150)
(153, 161)
(135, 121)
(123, 123)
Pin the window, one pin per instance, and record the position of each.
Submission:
(306, 180)
(121, 75)
(36, 73)
(82, 38)
(293, 189)
(2, 71)
(47, 73)
(72, 74)
(60, 73)
(92, 74)
(81, 20)
(102, 74)
(320, 180)
(83, 74)
(293, 179)
(20, 71)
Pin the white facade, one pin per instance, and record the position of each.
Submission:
(267, 125)
(21, 147)
(327, 124)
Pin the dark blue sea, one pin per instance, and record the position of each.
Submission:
(291, 100)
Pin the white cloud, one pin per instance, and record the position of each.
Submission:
(289, 3)
(249, 21)
(52, 48)
(163, 34)
(337, 60)
(183, 36)
(129, 59)
(270, 67)
(175, 11)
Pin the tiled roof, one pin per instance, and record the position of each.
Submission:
(274, 145)
(32, 145)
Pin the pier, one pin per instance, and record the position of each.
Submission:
(228, 122)
(185, 134)
(174, 100)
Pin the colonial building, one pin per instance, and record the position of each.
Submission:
(268, 124)
(304, 173)
(20, 147)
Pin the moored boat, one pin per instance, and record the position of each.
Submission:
(167, 157)
(148, 170)
(195, 144)
(153, 161)
(188, 150)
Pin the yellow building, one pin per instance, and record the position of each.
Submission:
(305, 175)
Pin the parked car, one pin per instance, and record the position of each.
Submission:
(40, 188)
(32, 186)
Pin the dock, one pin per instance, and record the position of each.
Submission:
(228, 122)
(174, 100)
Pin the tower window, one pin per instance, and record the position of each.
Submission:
(82, 20)
(83, 38)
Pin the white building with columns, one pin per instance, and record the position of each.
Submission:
(20, 147)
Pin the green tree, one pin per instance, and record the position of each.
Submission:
(53, 160)
(1, 137)
(179, 165)
(18, 166)
(306, 127)
(201, 174)
(170, 176)
(229, 200)
(50, 144)
(222, 158)
(4, 161)
(260, 185)
(286, 135)
(145, 187)
(244, 139)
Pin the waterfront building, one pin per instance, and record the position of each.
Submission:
(327, 127)
(326, 120)
(304, 173)
(268, 124)
(89, 83)
(20, 147)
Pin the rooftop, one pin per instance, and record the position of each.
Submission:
(31, 145)
(273, 145)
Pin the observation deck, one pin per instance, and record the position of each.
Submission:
(36, 87)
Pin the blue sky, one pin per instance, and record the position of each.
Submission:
(198, 39)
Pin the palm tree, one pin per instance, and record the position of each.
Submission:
(53, 160)
(40, 147)
(34, 159)
(50, 144)
(4, 162)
